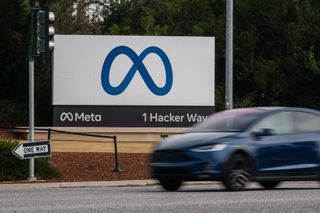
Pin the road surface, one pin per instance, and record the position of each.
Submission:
(289, 197)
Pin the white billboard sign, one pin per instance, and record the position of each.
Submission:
(140, 71)
(133, 70)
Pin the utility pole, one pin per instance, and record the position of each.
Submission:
(229, 57)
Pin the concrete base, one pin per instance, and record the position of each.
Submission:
(32, 179)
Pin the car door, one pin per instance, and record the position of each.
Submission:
(274, 151)
(305, 141)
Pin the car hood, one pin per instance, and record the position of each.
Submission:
(192, 139)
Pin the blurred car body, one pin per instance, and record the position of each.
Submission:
(266, 144)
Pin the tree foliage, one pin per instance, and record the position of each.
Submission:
(277, 52)
(13, 48)
(276, 42)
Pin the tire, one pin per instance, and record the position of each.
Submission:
(171, 185)
(237, 173)
(269, 184)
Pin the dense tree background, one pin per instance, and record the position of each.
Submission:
(276, 46)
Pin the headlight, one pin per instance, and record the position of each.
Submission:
(210, 148)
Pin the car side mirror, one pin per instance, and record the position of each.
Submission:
(266, 132)
(262, 132)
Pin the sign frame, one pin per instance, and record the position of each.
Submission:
(145, 75)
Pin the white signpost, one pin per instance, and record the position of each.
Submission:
(35, 149)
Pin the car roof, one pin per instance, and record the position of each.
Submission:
(270, 108)
(254, 109)
(280, 108)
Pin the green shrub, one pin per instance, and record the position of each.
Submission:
(12, 168)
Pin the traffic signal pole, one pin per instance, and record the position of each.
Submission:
(31, 95)
(31, 114)
(40, 45)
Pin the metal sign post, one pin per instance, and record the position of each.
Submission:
(31, 114)
(229, 57)
(40, 45)
(31, 94)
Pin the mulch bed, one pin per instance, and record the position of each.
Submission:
(99, 166)
(96, 166)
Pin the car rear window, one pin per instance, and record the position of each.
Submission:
(229, 121)
(306, 122)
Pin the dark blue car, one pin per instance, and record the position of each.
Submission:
(267, 145)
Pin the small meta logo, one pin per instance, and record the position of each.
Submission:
(137, 66)
(66, 116)
(70, 117)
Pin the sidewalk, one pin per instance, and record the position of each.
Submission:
(78, 184)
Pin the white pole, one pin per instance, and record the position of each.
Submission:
(31, 112)
(229, 57)
(31, 94)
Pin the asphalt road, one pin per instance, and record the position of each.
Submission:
(289, 197)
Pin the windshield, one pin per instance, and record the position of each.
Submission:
(236, 120)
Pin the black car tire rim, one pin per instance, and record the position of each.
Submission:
(237, 174)
(238, 179)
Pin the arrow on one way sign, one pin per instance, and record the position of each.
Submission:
(36, 149)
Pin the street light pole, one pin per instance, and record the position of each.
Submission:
(229, 57)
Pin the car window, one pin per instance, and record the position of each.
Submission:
(229, 120)
(278, 123)
(306, 122)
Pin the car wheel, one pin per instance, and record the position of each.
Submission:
(237, 173)
(171, 185)
(269, 184)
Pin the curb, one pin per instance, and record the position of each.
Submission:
(79, 184)
(120, 183)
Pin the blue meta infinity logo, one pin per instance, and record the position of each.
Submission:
(137, 66)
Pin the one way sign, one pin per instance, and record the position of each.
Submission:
(36, 149)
